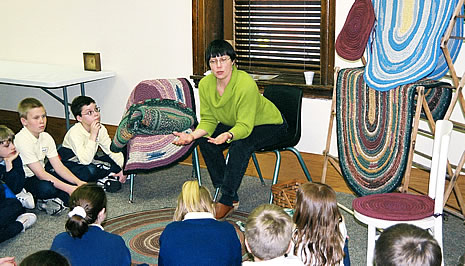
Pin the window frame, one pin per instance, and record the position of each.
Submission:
(207, 26)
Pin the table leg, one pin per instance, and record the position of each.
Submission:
(65, 104)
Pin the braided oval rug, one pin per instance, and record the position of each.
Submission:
(406, 41)
(148, 152)
(374, 130)
(142, 230)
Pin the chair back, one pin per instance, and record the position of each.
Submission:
(437, 177)
(288, 100)
(149, 152)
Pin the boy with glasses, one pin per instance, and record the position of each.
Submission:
(13, 219)
(11, 168)
(81, 143)
(51, 188)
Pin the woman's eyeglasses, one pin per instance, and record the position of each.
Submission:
(221, 60)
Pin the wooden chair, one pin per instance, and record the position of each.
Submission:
(387, 209)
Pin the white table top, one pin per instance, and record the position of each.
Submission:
(47, 76)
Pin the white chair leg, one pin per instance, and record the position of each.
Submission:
(437, 234)
(371, 244)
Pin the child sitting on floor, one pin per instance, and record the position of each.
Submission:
(268, 233)
(320, 234)
(50, 188)
(85, 242)
(11, 168)
(195, 237)
(81, 142)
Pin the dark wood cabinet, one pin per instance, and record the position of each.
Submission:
(207, 25)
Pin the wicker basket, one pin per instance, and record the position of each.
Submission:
(284, 194)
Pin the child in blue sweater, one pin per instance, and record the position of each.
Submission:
(13, 219)
(196, 237)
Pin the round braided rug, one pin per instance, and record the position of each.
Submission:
(395, 206)
(141, 231)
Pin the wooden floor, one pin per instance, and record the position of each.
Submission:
(290, 168)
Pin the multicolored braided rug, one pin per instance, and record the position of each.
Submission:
(141, 231)
(148, 152)
(374, 130)
(406, 41)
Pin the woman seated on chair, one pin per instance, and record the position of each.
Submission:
(234, 115)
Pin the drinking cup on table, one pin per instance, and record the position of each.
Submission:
(309, 77)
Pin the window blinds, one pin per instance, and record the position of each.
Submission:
(277, 36)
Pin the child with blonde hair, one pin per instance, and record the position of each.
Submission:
(196, 237)
(268, 233)
(320, 232)
(13, 219)
(51, 188)
(11, 168)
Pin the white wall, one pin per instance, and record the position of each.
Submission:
(138, 40)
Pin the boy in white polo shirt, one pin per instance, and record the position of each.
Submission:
(81, 143)
(51, 189)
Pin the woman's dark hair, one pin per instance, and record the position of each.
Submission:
(219, 48)
(93, 199)
(45, 258)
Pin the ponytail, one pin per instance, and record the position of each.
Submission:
(86, 203)
(76, 225)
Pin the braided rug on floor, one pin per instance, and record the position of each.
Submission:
(148, 152)
(406, 43)
(141, 231)
(374, 129)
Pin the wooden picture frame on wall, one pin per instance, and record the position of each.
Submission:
(92, 61)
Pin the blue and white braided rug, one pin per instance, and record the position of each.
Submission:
(405, 46)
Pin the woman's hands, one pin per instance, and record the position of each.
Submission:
(183, 138)
(186, 138)
(221, 138)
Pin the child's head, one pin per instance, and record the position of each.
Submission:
(27, 104)
(45, 258)
(268, 232)
(85, 110)
(193, 198)
(32, 115)
(88, 204)
(317, 219)
(79, 103)
(7, 148)
(406, 244)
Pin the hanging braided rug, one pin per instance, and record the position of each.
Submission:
(373, 131)
(148, 152)
(406, 43)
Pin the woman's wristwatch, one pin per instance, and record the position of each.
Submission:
(232, 136)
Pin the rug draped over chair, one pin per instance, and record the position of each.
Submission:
(148, 152)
